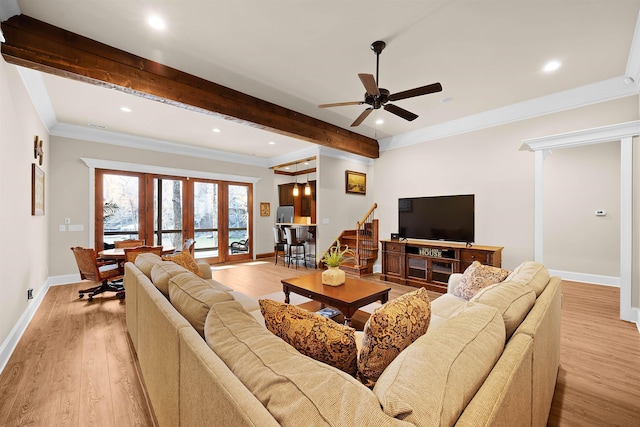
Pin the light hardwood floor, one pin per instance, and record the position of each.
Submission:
(74, 365)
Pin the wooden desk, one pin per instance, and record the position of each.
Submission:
(347, 298)
(118, 254)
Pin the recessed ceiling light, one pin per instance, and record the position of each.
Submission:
(446, 100)
(272, 143)
(551, 66)
(125, 109)
(216, 130)
(379, 121)
(156, 22)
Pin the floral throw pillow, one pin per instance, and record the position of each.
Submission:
(186, 260)
(477, 277)
(389, 330)
(311, 334)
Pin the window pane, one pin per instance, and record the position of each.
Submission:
(205, 218)
(168, 212)
(238, 219)
(120, 210)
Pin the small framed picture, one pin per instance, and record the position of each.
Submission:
(265, 209)
(355, 183)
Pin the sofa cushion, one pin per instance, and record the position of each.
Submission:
(312, 334)
(445, 307)
(512, 299)
(162, 272)
(184, 259)
(431, 382)
(389, 330)
(193, 298)
(295, 389)
(533, 273)
(476, 277)
(146, 261)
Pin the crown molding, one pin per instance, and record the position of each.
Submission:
(603, 91)
(584, 137)
(160, 170)
(633, 62)
(34, 83)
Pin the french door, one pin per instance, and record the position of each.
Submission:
(165, 210)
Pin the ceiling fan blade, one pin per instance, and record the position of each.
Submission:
(340, 104)
(400, 112)
(424, 90)
(369, 84)
(362, 116)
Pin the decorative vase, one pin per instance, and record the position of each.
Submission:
(333, 276)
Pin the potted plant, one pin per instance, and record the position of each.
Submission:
(335, 256)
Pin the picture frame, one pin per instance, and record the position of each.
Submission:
(355, 183)
(37, 190)
(265, 209)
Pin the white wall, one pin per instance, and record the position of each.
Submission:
(575, 239)
(337, 211)
(70, 191)
(24, 249)
(489, 164)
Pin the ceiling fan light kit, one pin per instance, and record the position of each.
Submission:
(377, 97)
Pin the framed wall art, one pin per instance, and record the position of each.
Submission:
(355, 183)
(265, 209)
(37, 190)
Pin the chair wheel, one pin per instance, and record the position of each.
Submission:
(121, 295)
(90, 298)
(80, 296)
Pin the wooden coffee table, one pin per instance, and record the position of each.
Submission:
(347, 298)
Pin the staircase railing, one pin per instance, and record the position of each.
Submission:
(366, 235)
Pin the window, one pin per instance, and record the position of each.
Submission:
(166, 210)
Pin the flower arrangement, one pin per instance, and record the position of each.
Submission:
(336, 255)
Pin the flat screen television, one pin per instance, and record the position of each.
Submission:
(448, 218)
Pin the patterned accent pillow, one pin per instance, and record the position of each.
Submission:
(311, 334)
(476, 277)
(184, 259)
(389, 330)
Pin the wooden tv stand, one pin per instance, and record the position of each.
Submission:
(429, 264)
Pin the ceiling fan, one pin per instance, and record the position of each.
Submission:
(378, 97)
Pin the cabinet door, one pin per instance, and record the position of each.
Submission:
(285, 194)
(394, 264)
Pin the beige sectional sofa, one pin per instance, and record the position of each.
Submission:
(207, 359)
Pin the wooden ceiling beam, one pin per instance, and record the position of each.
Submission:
(35, 44)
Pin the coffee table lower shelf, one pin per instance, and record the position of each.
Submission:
(357, 321)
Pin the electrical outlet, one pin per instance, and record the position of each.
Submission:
(30, 293)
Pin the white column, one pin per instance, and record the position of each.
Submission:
(626, 229)
(538, 215)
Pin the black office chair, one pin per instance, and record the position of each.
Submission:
(293, 242)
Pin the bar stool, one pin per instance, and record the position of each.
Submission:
(293, 242)
(279, 245)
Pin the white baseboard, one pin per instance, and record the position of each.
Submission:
(11, 341)
(587, 278)
(63, 280)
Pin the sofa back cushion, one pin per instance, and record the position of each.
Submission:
(162, 272)
(295, 389)
(146, 261)
(533, 273)
(512, 299)
(193, 298)
(432, 381)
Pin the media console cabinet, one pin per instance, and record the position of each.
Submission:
(429, 264)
